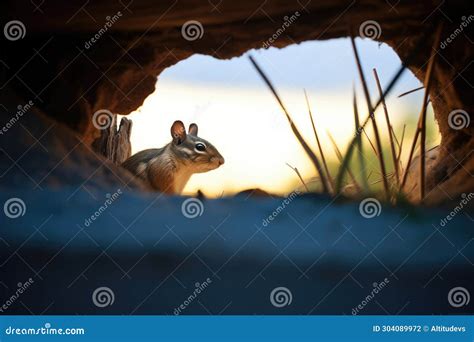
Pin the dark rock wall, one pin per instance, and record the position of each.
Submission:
(38, 153)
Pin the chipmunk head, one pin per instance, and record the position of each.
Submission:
(195, 152)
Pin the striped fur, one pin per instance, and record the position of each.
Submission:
(168, 169)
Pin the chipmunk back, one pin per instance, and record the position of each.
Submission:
(169, 168)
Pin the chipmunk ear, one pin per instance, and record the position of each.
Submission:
(193, 129)
(178, 132)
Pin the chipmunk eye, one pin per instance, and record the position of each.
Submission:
(200, 147)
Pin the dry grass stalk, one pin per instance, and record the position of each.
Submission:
(410, 91)
(359, 141)
(370, 142)
(400, 147)
(408, 60)
(410, 156)
(395, 137)
(428, 80)
(374, 122)
(323, 159)
(299, 176)
(421, 126)
(339, 156)
(297, 134)
(389, 126)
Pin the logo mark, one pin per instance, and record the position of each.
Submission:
(14, 30)
(370, 29)
(459, 296)
(370, 207)
(192, 30)
(14, 208)
(280, 297)
(458, 119)
(192, 208)
(102, 119)
(103, 296)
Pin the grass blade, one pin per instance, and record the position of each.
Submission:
(410, 156)
(410, 91)
(401, 146)
(339, 156)
(408, 60)
(389, 126)
(299, 176)
(307, 149)
(428, 79)
(372, 116)
(359, 141)
(370, 142)
(321, 153)
(421, 126)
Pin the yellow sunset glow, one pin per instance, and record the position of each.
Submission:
(250, 130)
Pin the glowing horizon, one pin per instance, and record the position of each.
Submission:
(254, 137)
(248, 127)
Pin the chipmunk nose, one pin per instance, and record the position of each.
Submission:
(219, 159)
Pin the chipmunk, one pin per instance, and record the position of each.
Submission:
(169, 168)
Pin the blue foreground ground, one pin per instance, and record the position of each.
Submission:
(317, 256)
